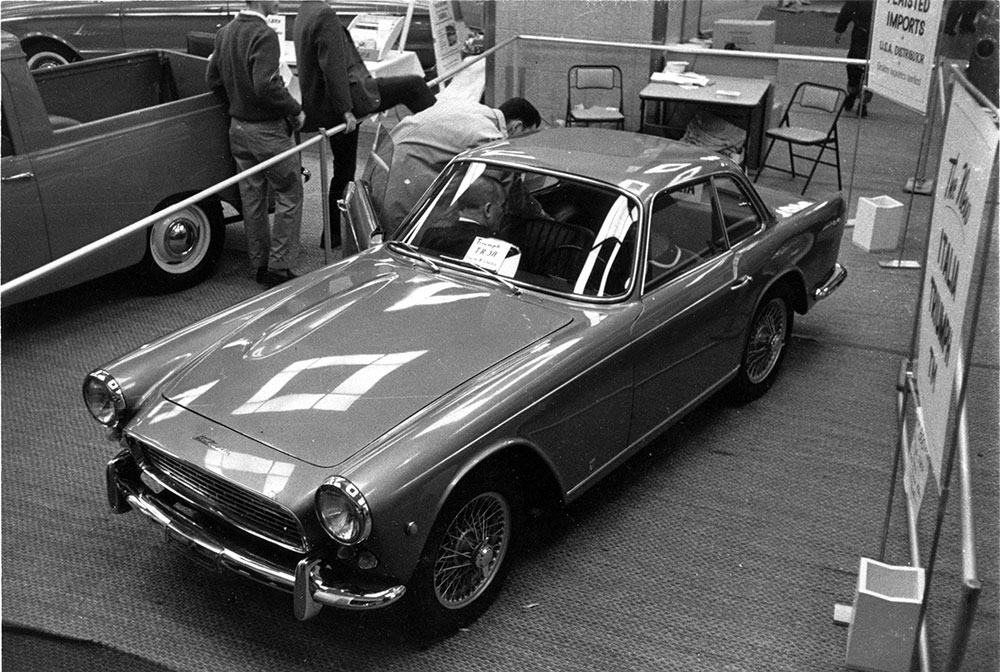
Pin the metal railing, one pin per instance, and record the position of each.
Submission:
(56, 264)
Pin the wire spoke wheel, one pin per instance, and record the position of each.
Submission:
(767, 340)
(472, 550)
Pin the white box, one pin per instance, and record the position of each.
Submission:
(885, 617)
(745, 35)
(878, 225)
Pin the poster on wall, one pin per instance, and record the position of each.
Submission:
(955, 242)
(903, 49)
(449, 36)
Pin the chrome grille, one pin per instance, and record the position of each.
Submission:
(247, 510)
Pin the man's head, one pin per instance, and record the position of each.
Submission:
(521, 117)
(485, 202)
(265, 7)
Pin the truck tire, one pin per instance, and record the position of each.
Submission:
(47, 53)
(182, 249)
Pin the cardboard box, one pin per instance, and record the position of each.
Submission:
(746, 35)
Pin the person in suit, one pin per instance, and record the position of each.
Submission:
(329, 70)
(479, 212)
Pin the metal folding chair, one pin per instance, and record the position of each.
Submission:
(810, 120)
(595, 96)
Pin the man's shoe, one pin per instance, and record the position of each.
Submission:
(261, 274)
(275, 278)
(849, 102)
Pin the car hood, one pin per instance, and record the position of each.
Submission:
(341, 360)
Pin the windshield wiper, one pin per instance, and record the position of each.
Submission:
(484, 272)
(413, 250)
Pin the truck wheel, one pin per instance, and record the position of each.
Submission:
(184, 248)
(48, 54)
(467, 555)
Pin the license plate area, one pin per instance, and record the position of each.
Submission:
(203, 556)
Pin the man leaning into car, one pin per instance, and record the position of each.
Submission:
(243, 69)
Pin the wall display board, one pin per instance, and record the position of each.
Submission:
(955, 242)
(903, 47)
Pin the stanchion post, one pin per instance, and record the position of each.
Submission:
(324, 149)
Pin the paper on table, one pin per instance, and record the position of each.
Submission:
(680, 78)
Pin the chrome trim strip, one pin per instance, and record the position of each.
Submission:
(310, 591)
(837, 277)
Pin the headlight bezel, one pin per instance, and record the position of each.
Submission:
(338, 498)
(104, 398)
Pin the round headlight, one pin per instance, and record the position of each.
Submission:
(104, 398)
(343, 511)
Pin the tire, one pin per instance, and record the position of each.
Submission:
(766, 344)
(182, 249)
(467, 555)
(48, 54)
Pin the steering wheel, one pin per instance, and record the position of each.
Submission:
(547, 259)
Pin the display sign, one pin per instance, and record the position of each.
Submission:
(449, 36)
(903, 48)
(494, 255)
(278, 23)
(374, 34)
(955, 242)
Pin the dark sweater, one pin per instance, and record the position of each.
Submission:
(243, 69)
(321, 57)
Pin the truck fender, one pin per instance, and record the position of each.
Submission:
(45, 50)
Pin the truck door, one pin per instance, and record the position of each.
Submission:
(24, 239)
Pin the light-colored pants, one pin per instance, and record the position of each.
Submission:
(251, 143)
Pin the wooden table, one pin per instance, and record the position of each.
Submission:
(750, 105)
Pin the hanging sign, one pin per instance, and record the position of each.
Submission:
(955, 242)
(903, 48)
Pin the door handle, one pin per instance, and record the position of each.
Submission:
(19, 176)
(741, 282)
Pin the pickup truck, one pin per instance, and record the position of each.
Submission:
(92, 147)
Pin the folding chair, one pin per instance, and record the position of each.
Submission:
(595, 95)
(816, 110)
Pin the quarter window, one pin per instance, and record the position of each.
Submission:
(739, 216)
(683, 232)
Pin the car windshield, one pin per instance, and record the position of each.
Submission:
(540, 230)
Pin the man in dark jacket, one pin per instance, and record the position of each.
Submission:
(858, 12)
(325, 56)
(243, 69)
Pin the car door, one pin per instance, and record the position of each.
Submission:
(689, 294)
(24, 239)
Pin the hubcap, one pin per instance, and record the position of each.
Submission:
(473, 548)
(179, 243)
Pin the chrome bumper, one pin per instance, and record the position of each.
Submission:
(836, 279)
(303, 581)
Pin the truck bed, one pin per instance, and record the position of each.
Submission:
(98, 89)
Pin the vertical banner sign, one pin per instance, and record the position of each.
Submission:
(448, 35)
(955, 242)
(904, 44)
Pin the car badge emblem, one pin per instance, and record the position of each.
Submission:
(210, 442)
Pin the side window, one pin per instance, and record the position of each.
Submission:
(739, 216)
(682, 233)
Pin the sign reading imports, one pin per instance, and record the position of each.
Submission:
(955, 242)
(904, 44)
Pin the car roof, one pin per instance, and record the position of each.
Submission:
(641, 164)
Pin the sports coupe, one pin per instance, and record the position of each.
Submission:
(375, 431)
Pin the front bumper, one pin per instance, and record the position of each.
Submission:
(303, 580)
(832, 282)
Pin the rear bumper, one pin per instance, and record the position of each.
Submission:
(303, 579)
(832, 282)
